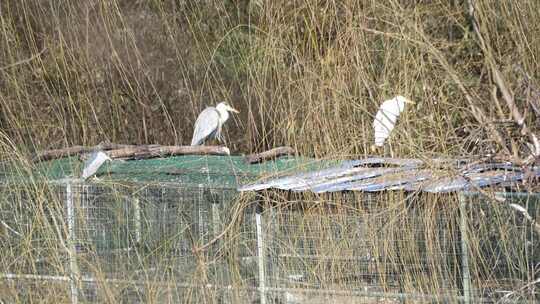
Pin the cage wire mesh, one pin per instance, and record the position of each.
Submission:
(150, 235)
(505, 247)
(361, 247)
(351, 247)
(138, 243)
(129, 235)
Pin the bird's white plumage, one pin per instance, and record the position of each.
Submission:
(91, 166)
(209, 122)
(386, 118)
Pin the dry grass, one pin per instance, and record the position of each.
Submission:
(309, 74)
(305, 73)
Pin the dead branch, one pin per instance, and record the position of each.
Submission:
(481, 118)
(151, 151)
(59, 153)
(75, 150)
(518, 117)
(270, 154)
(131, 151)
(532, 91)
(501, 84)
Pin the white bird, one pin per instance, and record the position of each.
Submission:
(386, 118)
(91, 166)
(209, 123)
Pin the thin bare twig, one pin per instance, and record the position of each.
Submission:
(516, 207)
(24, 60)
(526, 215)
(235, 217)
(507, 296)
(10, 229)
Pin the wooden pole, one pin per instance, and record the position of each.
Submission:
(74, 274)
(137, 219)
(260, 256)
(140, 152)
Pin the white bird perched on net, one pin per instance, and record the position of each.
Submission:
(91, 166)
(209, 123)
(386, 118)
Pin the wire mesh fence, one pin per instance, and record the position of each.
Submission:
(360, 247)
(504, 247)
(166, 243)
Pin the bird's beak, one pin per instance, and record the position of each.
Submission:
(409, 101)
(233, 110)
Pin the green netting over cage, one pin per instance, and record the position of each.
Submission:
(218, 171)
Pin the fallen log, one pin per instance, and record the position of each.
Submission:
(75, 150)
(151, 151)
(130, 151)
(270, 154)
(58, 153)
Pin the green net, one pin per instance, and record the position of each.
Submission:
(213, 171)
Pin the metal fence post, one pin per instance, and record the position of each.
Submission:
(464, 240)
(271, 252)
(216, 221)
(74, 274)
(260, 255)
(137, 219)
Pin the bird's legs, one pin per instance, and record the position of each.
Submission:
(390, 151)
(218, 133)
(219, 137)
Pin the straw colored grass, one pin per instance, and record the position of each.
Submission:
(309, 74)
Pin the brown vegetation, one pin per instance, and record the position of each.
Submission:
(309, 74)
(304, 73)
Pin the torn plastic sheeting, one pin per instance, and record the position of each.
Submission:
(486, 167)
(345, 176)
(470, 181)
(404, 162)
(363, 176)
(305, 181)
(371, 176)
(298, 179)
(398, 183)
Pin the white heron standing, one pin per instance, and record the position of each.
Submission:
(386, 118)
(209, 123)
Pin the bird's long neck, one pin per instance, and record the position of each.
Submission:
(223, 115)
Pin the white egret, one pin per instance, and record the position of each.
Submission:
(209, 123)
(91, 166)
(386, 118)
